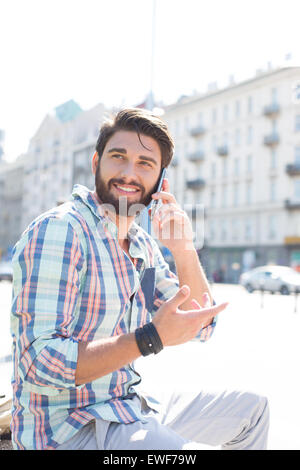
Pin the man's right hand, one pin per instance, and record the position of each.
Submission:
(176, 326)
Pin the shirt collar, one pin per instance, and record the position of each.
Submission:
(135, 233)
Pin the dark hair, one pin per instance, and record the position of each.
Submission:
(142, 122)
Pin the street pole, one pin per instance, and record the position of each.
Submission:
(150, 98)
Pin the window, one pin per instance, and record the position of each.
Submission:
(225, 113)
(214, 143)
(273, 191)
(212, 230)
(297, 155)
(249, 163)
(273, 164)
(186, 123)
(237, 109)
(235, 195)
(248, 229)
(235, 229)
(272, 227)
(249, 135)
(274, 95)
(224, 196)
(236, 167)
(297, 123)
(237, 137)
(213, 170)
(224, 169)
(223, 230)
(200, 119)
(186, 149)
(250, 104)
(248, 193)
(214, 116)
(297, 190)
(225, 139)
(213, 198)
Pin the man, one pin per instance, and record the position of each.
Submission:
(92, 293)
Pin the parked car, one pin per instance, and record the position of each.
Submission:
(271, 278)
(6, 272)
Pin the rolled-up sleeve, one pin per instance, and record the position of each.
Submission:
(48, 263)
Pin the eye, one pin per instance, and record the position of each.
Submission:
(144, 163)
(117, 156)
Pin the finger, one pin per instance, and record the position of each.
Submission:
(164, 196)
(208, 312)
(169, 208)
(195, 304)
(179, 298)
(166, 185)
(205, 302)
(206, 299)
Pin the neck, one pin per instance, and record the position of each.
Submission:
(123, 224)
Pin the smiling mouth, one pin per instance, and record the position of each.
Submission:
(123, 189)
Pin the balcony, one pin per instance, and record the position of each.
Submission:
(292, 205)
(271, 139)
(197, 131)
(196, 183)
(293, 169)
(222, 150)
(271, 110)
(197, 156)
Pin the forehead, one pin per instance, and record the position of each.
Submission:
(135, 144)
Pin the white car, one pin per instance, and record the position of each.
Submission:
(6, 272)
(272, 278)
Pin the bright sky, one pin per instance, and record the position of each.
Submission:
(100, 51)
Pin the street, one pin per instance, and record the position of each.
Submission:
(255, 347)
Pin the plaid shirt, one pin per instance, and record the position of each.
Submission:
(72, 283)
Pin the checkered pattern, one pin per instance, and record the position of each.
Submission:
(72, 283)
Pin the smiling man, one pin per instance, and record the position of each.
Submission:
(92, 293)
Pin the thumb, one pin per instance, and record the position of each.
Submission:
(180, 297)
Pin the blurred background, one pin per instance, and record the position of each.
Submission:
(225, 76)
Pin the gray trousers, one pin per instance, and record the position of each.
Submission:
(231, 419)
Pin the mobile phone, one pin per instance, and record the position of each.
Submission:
(158, 188)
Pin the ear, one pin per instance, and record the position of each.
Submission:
(95, 160)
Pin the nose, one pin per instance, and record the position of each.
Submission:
(128, 171)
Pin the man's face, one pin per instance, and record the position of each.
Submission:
(128, 170)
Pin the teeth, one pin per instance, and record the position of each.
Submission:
(129, 190)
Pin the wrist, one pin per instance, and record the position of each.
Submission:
(148, 339)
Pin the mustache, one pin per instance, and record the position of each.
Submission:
(122, 181)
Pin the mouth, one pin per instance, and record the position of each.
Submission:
(127, 190)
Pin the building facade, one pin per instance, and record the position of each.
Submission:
(63, 142)
(11, 198)
(237, 154)
(58, 156)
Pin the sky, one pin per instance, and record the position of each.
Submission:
(104, 51)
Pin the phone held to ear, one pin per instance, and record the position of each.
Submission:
(158, 188)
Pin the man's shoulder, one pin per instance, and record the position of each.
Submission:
(64, 215)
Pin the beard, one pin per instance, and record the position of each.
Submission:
(121, 204)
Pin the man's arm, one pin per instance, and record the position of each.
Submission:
(174, 230)
(190, 272)
(101, 357)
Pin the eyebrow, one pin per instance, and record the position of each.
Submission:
(142, 157)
